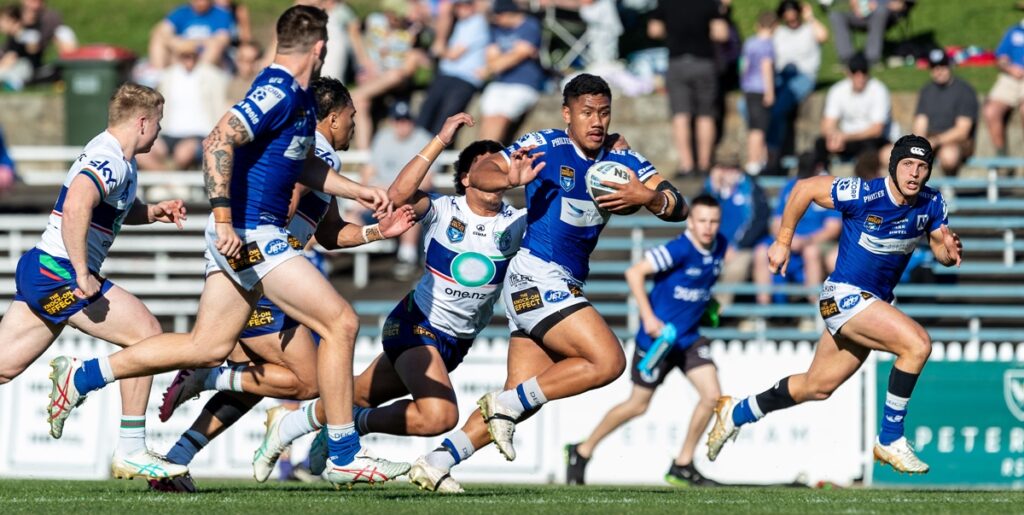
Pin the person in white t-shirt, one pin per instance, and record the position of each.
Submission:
(858, 112)
(797, 41)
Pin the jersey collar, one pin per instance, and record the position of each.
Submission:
(888, 193)
(698, 247)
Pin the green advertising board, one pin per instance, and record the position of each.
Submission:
(966, 420)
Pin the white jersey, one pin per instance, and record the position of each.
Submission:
(116, 178)
(313, 205)
(466, 256)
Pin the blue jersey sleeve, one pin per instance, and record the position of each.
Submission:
(668, 256)
(846, 195)
(266, 108)
(938, 213)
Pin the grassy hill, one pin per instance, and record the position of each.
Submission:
(946, 22)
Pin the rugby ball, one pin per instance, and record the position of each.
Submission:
(607, 171)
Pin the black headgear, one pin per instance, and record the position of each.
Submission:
(912, 146)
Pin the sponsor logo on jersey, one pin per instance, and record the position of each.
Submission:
(872, 222)
(472, 269)
(557, 142)
(693, 271)
(828, 308)
(525, 301)
(266, 97)
(556, 296)
(849, 301)
(58, 301)
(847, 189)
(251, 256)
(275, 247)
(877, 245)
(460, 294)
(480, 230)
(294, 242)
(922, 222)
(532, 139)
(691, 294)
(503, 239)
(581, 213)
(865, 295)
(575, 289)
(456, 230)
(704, 352)
(869, 198)
(260, 317)
(567, 177)
(391, 328)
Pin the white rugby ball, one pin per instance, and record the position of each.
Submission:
(607, 171)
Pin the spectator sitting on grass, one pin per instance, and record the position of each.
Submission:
(197, 22)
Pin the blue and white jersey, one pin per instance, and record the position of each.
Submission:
(685, 273)
(280, 118)
(467, 256)
(116, 179)
(314, 204)
(564, 222)
(878, 235)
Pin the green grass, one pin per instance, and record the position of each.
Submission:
(18, 496)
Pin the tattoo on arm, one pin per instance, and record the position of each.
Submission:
(373, 234)
(218, 155)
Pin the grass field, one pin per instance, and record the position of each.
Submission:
(18, 496)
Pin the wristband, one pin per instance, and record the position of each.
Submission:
(423, 157)
(785, 236)
(216, 202)
(371, 230)
(441, 141)
(222, 215)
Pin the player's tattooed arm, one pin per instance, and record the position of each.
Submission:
(219, 153)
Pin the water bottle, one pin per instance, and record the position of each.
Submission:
(658, 350)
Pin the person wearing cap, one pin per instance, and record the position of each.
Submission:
(884, 220)
(1008, 91)
(947, 113)
(391, 147)
(858, 112)
(745, 217)
(513, 65)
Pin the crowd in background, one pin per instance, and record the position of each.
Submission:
(203, 55)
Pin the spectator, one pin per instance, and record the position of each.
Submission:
(460, 71)
(342, 29)
(45, 26)
(689, 28)
(947, 112)
(603, 29)
(745, 216)
(198, 22)
(248, 63)
(15, 65)
(1008, 90)
(195, 96)
(388, 59)
(874, 16)
(814, 240)
(857, 115)
(797, 42)
(8, 175)
(868, 166)
(391, 148)
(240, 15)
(513, 63)
(758, 85)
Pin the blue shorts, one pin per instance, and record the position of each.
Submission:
(267, 318)
(407, 327)
(47, 284)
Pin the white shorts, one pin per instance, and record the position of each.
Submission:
(508, 100)
(839, 302)
(538, 294)
(263, 248)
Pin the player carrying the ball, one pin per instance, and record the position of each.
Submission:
(883, 220)
(560, 345)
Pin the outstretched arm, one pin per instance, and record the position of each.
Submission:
(946, 246)
(499, 173)
(812, 189)
(405, 189)
(168, 211)
(321, 177)
(334, 233)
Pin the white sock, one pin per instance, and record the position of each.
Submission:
(408, 253)
(190, 443)
(524, 397)
(299, 422)
(132, 437)
(105, 370)
(224, 379)
(453, 450)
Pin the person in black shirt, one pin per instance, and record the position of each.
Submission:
(690, 29)
(947, 113)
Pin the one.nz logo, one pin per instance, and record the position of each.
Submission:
(456, 230)
(567, 178)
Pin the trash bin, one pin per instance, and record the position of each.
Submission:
(91, 75)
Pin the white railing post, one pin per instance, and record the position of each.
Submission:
(1009, 256)
(993, 189)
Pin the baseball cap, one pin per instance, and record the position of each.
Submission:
(937, 57)
(400, 110)
(505, 6)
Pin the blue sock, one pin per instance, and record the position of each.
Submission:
(359, 414)
(342, 443)
(892, 419)
(89, 378)
(746, 412)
